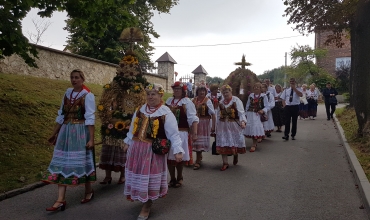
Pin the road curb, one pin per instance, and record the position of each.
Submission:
(19, 191)
(358, 172)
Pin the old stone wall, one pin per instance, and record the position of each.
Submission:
(56, 64)
(328, 62)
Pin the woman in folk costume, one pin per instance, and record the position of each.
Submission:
(73, 158)
(230, 125)
(303, 106)
(186, 116)
(312, 97)
(269, 124)
(256, 106)
(146, 171)
(278, 110)
(205, 113)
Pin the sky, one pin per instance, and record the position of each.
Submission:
(209, 22)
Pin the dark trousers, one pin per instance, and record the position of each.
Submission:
(291, 114)
(328, 106)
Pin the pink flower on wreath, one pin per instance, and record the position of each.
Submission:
(50, 177)
(74, 182)
(54, 176)
(110, 126)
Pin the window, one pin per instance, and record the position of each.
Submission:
(342, 61)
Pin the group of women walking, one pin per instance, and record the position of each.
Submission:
(176, 127)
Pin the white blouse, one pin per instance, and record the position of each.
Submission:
(170, 127)
(271, 100)
(239, 107)
(89, 106)
(312, 94)
(191, 112)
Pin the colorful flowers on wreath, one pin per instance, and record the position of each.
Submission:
(120, 125)
(136, 88)
(100, 107)
(106, 86)
(136, 124)
(156, 87)
(129, 59)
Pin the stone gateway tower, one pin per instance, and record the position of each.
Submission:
(166, 68)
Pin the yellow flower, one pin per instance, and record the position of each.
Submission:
(100, 107)
(120, 125)
(106, 86)
(107, 131)
(136, 88)
(232, 113)
(155, 128)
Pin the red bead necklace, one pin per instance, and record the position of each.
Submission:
(199, 102)
(72, 100)
(173, 102)
(149, 109)
(226, 102)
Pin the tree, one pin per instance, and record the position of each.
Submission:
(275, 75)
(41, 25)
(12, 40)
(214, 80)
(340, 17)
(94, 37)
(342, 76)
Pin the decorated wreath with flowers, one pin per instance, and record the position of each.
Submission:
(120, 99)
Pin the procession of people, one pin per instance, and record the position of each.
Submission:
(162, 135)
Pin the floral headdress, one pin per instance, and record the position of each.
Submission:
(226, 87)
(155, 87)
(179, 84)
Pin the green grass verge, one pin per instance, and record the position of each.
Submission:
(28, 108)
(361, 146)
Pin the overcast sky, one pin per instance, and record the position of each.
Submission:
(210, 22)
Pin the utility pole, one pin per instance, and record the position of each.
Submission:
(285, 69)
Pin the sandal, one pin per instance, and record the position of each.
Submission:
(259, 140)
(224, 167)
(121, 180)
(235, 160)
(179, 182)
(196, 166)
(172, 183)
(253, 148)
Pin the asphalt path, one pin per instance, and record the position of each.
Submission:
(306, 178)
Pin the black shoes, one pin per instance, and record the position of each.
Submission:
(286, 138)
(293, 138)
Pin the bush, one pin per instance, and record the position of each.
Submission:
(321, 80)
(346, 96)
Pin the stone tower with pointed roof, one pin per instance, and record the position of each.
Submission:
(199, 74)
(166, 68)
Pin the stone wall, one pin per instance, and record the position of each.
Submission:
(56, 64)
(333, 52)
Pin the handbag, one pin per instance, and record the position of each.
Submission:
(214, 151)
(160, 146)
(264, 117)
(333, 100)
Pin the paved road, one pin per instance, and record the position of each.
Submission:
(308, 178)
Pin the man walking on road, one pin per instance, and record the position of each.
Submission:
(330, 100)
(290, 98)
(190, 88)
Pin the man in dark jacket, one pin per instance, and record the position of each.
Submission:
(330, 100)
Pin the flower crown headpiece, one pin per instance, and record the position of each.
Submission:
(180, 84)
(224, 87)
(155, 87)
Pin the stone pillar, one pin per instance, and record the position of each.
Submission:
(198, 77)
(167, 69)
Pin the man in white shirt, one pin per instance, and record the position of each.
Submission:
(291, 102)
(190, 88)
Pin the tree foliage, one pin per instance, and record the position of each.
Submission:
(275, 75)
(214, 80)
(98, 19)
(342, 77)
(97, 38)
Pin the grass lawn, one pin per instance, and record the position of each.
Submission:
(361, 146)
(28, 108)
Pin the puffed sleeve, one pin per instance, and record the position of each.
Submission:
(272, 101)
(60, 117)
(89, 109)
(211, 109)
(240, 108)
(283, 95)
(266, 104)
(128, 140)
(172, 133)
(191, 112)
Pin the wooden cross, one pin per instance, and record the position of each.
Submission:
(131, 35)
(243, 63)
